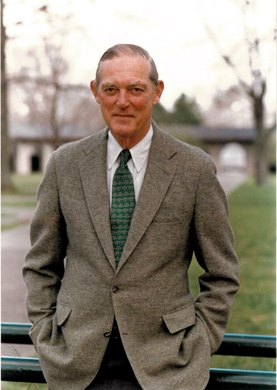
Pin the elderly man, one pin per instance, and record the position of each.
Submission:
(119, 216)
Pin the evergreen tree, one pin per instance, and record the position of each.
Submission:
(185, 111)
(160, 114)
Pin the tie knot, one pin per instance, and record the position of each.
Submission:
(125, 156)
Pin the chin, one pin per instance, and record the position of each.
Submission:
(122, 129)
(123, 132)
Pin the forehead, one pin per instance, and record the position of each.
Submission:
(124, 68)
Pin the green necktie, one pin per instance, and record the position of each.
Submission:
(123, 204)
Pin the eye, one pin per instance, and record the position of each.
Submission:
(136, 90)
(110, 90)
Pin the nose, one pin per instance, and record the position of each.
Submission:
(122, 99)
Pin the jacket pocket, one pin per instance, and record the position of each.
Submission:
(62, 313)
(180, 319)
(41, 330)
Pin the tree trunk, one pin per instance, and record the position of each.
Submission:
(261, 165)
(54, 123)
(6, 183)
(261, 139)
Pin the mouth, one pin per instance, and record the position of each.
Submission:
(123, 116)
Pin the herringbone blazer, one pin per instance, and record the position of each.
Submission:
(75, 290)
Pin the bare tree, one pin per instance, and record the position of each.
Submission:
(229, 106)
(54, 104)
(50, 91)
(255, 90)
(47, 94)
(6, 183)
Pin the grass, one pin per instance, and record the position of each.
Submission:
(18, 202)
(23, 193)
(253, 220)
(22, 196)
(252, 215)
(24, 185)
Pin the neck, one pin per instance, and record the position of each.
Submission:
(128, 142)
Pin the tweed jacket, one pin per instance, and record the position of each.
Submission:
(75, 291)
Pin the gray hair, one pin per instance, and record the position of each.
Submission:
(130, 50)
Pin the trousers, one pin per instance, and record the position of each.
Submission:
(115, 372)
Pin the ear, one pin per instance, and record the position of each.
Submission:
(158, 91)
(93, 88)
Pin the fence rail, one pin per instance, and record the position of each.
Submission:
(22, 369)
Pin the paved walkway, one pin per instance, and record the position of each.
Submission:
(14, 245)
(231, 180)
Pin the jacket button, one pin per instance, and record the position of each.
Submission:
(115, 289)
(107, 334)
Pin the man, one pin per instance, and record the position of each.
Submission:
(110, 314)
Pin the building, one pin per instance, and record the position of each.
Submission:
(31, 146)
(231, 148)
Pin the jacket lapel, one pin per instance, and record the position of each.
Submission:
(93, 172)
(159, 173)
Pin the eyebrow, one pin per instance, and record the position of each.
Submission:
(138, 83)
(133, 84)
(108, 84)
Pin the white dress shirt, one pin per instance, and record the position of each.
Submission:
(137, 164)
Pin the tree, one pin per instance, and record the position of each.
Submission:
(160, 114)
(185, 111)
(44, 80)
(51, 102)
(43, 92)
(255, 90)
(229, 106)
(6, 183)
(59, 109)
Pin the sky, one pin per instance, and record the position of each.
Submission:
(184, 37)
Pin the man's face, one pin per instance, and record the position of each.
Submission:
(126, 96)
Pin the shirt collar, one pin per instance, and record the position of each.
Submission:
(139, 152)
(113, 150)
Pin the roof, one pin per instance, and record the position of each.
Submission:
(213, 134)
(37, 133)
(224, 134)
(204, 134)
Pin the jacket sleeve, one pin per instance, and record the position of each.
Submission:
(214, 250)
(44, 263)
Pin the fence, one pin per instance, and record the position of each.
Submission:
(22, 369)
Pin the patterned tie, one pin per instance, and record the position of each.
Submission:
(123, 204)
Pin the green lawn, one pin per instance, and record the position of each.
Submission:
(253, 219)
(24, 191)
(252, 215)
(25, 185)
